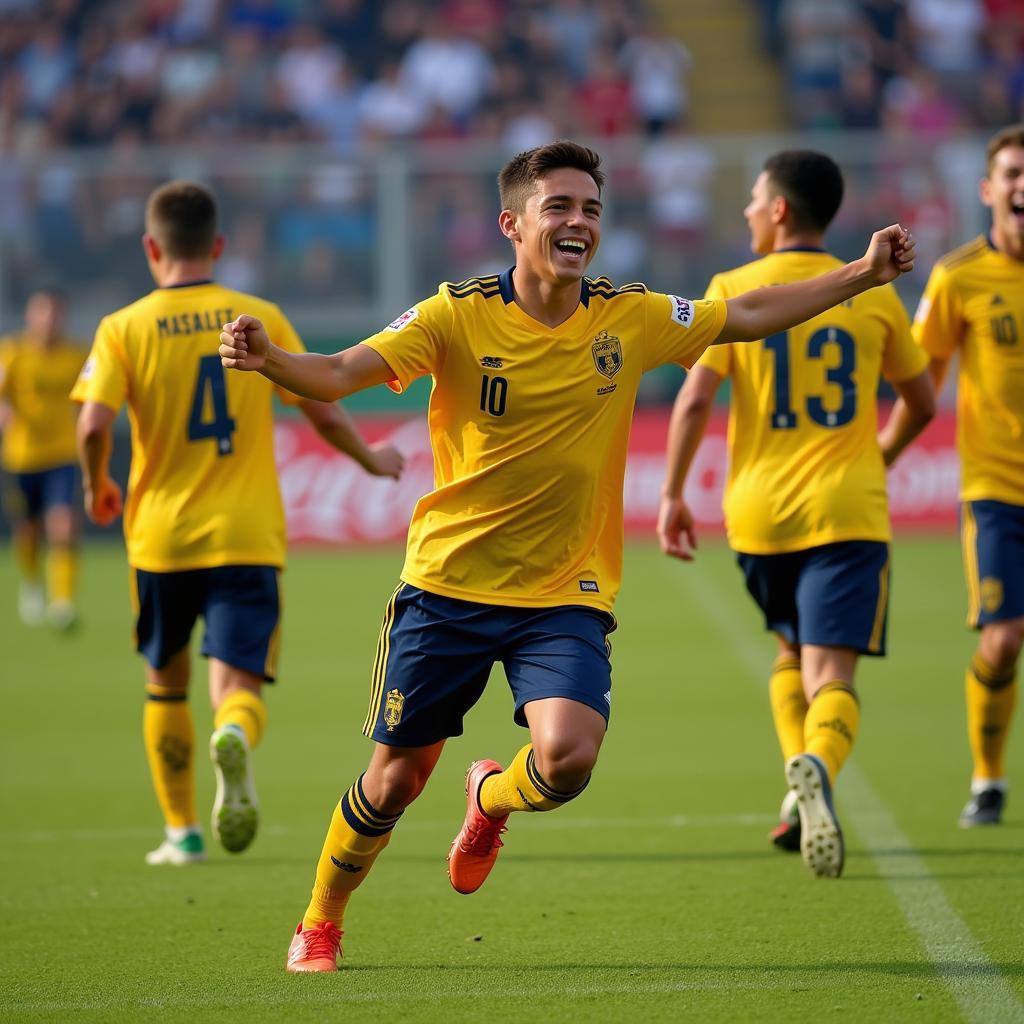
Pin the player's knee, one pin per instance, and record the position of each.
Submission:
(1001, 645)
(566, 766)
(394, 786)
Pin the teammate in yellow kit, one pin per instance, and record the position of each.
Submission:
(202, 452)
(973, 306)
(37, 369)
(805, 503)
(516, 554)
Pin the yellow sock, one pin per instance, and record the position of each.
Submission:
(61, 573)
(789, 705)
(990, 701)
(357, 834)
(520, 788)
(26, 554)
(246, 710)
(169, 739)
(831, 725)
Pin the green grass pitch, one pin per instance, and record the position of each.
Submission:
(655, 897)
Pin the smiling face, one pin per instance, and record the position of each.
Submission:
(559, 229)
(1003, 192)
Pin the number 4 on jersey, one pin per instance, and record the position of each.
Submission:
(210, 396)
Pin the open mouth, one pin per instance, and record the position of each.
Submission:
(1017, 208)
(574, 248)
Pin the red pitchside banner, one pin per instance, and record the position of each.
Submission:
(329, 499)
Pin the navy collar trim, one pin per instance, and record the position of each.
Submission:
(802, 248)
(188, 284)
(508, 293)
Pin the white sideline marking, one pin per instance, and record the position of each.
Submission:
(979, 987)
(551, 823)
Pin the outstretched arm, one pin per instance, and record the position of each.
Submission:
(764, 311)
(95, 441)
(913, 411)
(689, 420)
(337, 428)
(245, 345)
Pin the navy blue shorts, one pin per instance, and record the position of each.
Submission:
(435, 654)
(240, 604)
(835, 595)
(992, 534)
(32, 494)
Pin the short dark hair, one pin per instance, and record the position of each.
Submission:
(518, 178)
(182, 217)
(810, 182)
(1013, 135)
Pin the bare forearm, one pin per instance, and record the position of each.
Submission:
(903, 425)
(308, 374)
(766, 311)
(686, 428)
(94, 447)
(337, 428)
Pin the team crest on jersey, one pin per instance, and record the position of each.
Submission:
(682, 310)
(404, 320)
(991, 590)
(607, 351)
(393, 704)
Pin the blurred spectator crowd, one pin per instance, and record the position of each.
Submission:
(926, 68)
(341, 72)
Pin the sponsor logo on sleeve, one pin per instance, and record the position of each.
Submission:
(87, 369)
(923, 308)
(682, 310)
(404, 320)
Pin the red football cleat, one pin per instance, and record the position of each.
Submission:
(315, 949)
(475, 849)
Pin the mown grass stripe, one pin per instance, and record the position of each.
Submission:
(980, 989)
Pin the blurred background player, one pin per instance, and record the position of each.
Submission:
(973, 305)
(38, 367)
(203, 522)
(805, 502)
(516, 555)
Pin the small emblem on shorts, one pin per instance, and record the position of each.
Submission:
(589, 586)
(991, 594)
(393, 704)
(608, 698)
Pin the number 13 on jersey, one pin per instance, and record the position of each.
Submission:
(828, 340)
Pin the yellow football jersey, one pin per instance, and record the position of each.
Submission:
(805, 468)
(36, 383)
(974, 304)
(203, 488)
(529, 427)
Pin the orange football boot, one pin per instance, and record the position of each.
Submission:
(475, 849)
(315, 949)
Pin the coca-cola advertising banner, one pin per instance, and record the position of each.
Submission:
(330, 499)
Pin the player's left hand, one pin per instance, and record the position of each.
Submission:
(890, 253)
(385, 460)
(676, 532)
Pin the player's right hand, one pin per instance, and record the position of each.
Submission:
(676, 533)
(103, 503)
(244, 343)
